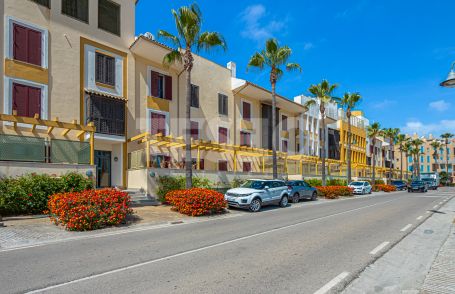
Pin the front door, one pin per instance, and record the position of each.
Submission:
(103, 168)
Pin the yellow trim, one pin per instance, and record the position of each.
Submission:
(158, 103)
(26, 71)
(104, 85)
(246, 125)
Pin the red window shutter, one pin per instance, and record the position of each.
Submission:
(201, 164)
(154, 84)
(246, 111)
(168, 88)
(222, 165)
(194, 130)
(34, 47)
(20, 36)
(20, 99)
(285, 146)
(222, 135)
(246, 167)
(158, 124)
(34, 101)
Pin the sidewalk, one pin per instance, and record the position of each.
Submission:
(423, 262)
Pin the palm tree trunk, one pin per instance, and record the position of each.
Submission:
(323, 151)
(274, 134)
(391, 161)
(373, 179)
(407, 165)
(447, 162)
(401, 164)
(348, 155)
(188, 158)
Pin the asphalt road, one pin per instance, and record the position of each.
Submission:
(303, 248)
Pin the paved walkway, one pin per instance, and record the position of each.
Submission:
(406, 267)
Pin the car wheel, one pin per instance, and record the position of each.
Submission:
(255, 205)
(409, 191)
(314, 196)
(284, 201)
(296, 198)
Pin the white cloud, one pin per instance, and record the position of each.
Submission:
(255, 27)
(308, 46)
(440, 105)
(386, 103)
(437, 128)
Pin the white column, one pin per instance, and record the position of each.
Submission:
(301, 133)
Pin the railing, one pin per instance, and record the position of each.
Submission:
(107, 114)
(20, 148)
(73, 152)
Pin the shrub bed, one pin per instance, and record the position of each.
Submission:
(196, 201)
(167, 184)
(90, 209)
(384, 188)
(29, 194)
(333, 192)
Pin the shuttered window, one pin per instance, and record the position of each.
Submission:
(284, 123)
(105, 69)
(246, 111)
(76, 8)
(108, 114)
(43, 2)
(26, 100)
(160, 85)
(284, 146)
(222, 104)
(246, 167)
(194, 130)
(109, 16)
(194, 96)
(158, 124)
(245, 139)
(222, 165)
(222, 135)
(27, 44)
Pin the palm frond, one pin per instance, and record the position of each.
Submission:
(293, 66)
(257, 60)
(208, 40)
(171, 38)
(171, 58)
(310, 103)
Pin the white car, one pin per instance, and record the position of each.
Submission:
(254, 194)
(361, 187)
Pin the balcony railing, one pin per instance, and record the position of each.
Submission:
(108, 114)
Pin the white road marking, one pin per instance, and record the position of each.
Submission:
(326, 288)
(122, 269)
(420, 217)
(428, 211)
(434, 207)
(379, 248)
(407, 227)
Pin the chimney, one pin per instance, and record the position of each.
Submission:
(233, 67)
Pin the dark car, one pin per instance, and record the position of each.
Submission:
(301, 190)
(431, 183)
(400, 185)
(418, 186)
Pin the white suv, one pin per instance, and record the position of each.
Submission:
(254, 194)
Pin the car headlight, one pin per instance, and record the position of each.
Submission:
(246, 195)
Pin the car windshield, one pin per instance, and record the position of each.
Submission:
(254, 184)
(356, 184)
(397, 182)
(417, 183)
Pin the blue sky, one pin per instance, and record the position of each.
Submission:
(395, 53)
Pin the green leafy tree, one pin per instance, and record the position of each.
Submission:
(391, 134)
(373, 132)
(322, 95)
(415, 152)
(348, 103)
(446, 137)
(436, 145)
(188, 22)
(274, 57)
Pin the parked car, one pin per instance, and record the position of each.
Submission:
(254, 194)
(301, 190)
(361, 187)
(418, 186)
(400, 185)
(431, 183)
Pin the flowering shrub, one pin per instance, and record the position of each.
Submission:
(384, 188)
(333, 192)
(196, 201)
(166, 184)
(89, 210)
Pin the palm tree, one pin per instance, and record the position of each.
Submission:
(401, 140)
(407, 149)
(349, 102)
(436, 146)
(415, 151)
(373, 132)
(446, 138)
(274, 57)
(322, 95)
(188, 22)
(391, 134)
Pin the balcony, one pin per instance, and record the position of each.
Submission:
(108, 114)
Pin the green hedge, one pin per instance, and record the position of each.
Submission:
(29, 194)
(167, 184)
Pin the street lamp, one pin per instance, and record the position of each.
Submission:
(450, 81)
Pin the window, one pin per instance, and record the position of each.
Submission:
(108, 114)
(26, 100)
(157, 124)
(246, 111)
(42, 2)
(246, 167)
(222, 104)
(245, 139)
(194, 130)
(105, 69)
(194, 96)
(222, 135)
(284, 146)
(160, 85)
(26, 44)
(284, 123)
(109, 16)
(76, 8)
(222, 165)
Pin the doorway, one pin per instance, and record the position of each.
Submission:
(103, 168)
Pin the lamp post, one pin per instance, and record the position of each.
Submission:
(450, 81)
